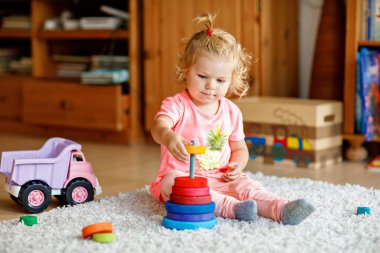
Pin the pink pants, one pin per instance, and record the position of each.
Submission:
(227, 194)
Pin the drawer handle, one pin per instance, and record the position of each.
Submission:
(65, 105)
(329, 118)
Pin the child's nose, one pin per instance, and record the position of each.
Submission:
(210, 84)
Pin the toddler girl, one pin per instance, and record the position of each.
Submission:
(214, 65)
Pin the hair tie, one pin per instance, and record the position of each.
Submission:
(209, 32)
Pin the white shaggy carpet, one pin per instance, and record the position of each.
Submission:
(136, 218)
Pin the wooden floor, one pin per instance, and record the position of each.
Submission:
(122, 168)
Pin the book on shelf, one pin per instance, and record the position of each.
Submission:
(7, 56)
(370, 20)
(367, 115)
(109, 62)
(70, 58)
(105, 76)
(21, 66)
(16, 22)
(70, 66)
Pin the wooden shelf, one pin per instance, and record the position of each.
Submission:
(83, 34)
(14, 75)
(119, 119)
(15, 34)
(368, 43)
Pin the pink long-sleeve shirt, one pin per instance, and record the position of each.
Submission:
(193, 124)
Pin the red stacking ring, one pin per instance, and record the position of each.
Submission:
(190, 200)
(191, 192)
(195, 182)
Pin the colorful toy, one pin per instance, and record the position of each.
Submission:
(182, 225)
(97, 228)
(374, 165)
(189, 209)
(190, 200)
(190, 205)
(192, 150)
(189, 191)
(59, 168)
(28, 220)
(190, 217)
(104, 237)
(363, 210)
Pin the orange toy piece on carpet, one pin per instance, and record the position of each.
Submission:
(101, 227)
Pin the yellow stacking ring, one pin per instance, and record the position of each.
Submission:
(195, 149)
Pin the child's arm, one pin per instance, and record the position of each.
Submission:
(163, 134)
(238, 160)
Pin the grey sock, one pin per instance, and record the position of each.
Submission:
(246, 210)
(296, 211)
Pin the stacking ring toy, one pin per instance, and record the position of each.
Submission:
(188, 200)
(191, 149)
(182, 225)
(104, 237)
(195, 182)
(102, 227)
(187, 191)
(190, 217)
(189, 209)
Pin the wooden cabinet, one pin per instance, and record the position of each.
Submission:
(42, 103)
(267, 29)
(65, 104)
(10, 98)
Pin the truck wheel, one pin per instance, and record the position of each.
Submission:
(78, 192)
(35, 197)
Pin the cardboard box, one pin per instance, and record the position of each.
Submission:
(289, 131)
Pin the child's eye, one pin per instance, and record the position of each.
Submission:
(221, 81)
(202, 76)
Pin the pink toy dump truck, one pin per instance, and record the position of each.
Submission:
(59, 168)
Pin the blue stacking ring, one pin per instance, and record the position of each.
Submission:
(190, 217)
(191, 225)
(190, 209)
(363, 210)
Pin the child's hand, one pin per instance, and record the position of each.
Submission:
(233, 172)
(176, 146)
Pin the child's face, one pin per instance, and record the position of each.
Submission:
(208, 79)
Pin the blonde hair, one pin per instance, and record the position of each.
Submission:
(220, 43)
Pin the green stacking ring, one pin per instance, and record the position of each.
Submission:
(104, 237)
(28, 220)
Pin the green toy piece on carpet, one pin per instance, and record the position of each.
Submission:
(104, 237)
(28, 220)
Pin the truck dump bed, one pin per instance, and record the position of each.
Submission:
(49, 164)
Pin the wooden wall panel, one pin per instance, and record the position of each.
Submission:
(250, 39)
(167, 22)
(279, 48)
(267, 29)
